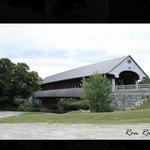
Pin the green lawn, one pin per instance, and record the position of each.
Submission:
(146, 105)
(126, 117)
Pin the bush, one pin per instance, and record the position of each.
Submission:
(97, 90)
(19, 104)
(24, 105)
(73, 104)
(7, 103)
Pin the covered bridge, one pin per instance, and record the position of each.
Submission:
(120, 71)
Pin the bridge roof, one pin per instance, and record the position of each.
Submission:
(101, 67)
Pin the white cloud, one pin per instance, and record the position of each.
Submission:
(52, 48)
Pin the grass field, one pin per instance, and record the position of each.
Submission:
(141, 115)
(145, 106)
(130, 117)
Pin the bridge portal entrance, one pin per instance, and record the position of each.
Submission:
(128, 77)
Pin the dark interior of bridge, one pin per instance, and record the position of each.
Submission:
(128, 77)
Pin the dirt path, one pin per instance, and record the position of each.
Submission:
(72, 131)
(9, 113)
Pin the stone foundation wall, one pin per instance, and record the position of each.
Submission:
(129, 99)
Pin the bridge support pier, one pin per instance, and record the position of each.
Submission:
(113, 84)
(136, 84)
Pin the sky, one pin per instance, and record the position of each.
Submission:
(53, 48)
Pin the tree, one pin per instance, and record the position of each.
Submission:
(97, 91)
(16, 81)
(146, 80)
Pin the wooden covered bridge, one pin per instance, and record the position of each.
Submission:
(124, 74)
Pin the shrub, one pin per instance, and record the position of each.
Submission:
(97, 90)
(7, 103)
(73, 104)
(24, 105)
(19, 104)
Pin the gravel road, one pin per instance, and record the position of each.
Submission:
(72, 131)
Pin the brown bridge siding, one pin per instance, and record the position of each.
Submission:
(66, 84)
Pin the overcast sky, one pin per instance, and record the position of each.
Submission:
(50, 48)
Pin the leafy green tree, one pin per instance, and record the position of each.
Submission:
(6, 67)
(146, 80)
(16, 80)
(97, 91)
